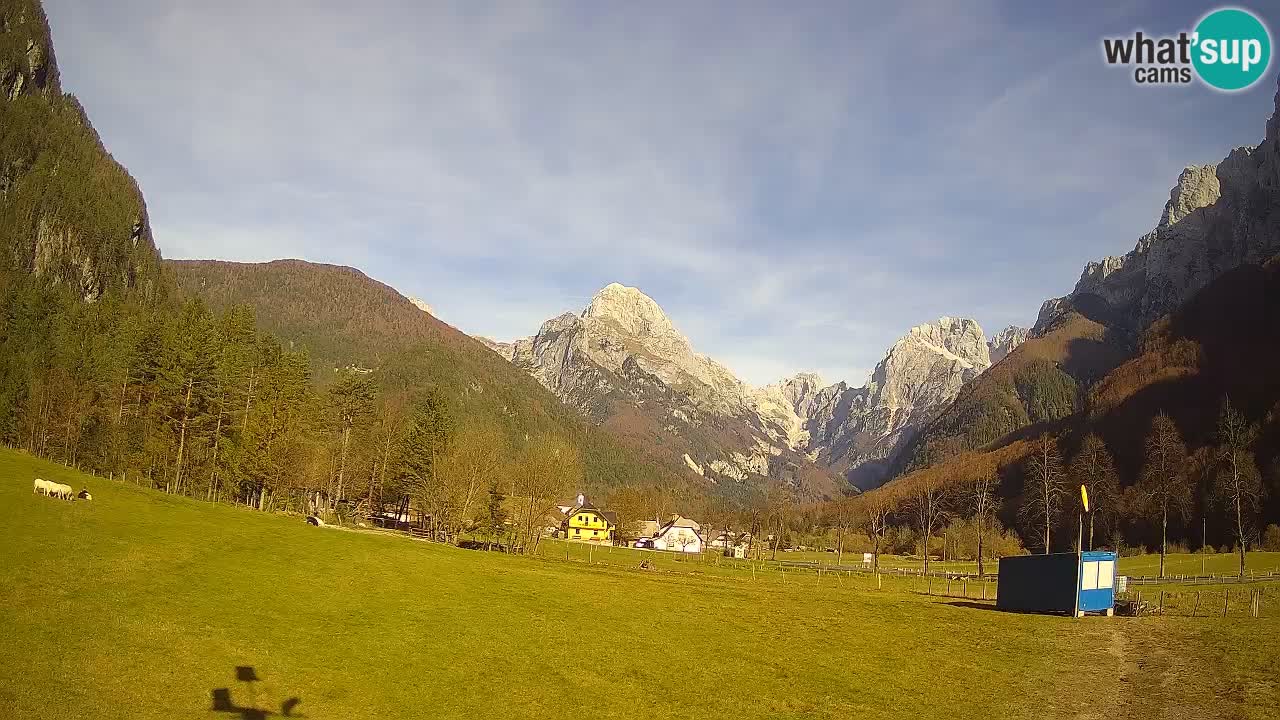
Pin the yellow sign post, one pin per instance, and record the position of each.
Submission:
(1084, 499)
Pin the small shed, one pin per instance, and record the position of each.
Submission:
(1067, 583)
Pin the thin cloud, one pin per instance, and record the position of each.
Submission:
(796, 185)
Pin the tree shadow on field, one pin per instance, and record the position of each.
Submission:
(222, 702)
(970, 604)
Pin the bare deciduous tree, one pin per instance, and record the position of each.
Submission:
(843, 515)
(877, 505)
(546, 467)
(928, 498)
(1164, 487)
(1237, 484)
(476, 460)
(1046, 486)
(983, 503)
(1094, 468)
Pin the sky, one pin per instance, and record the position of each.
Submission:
(797, 184)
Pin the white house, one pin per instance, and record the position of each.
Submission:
(680, 534)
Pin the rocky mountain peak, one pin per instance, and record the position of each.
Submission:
(1218, 217)
(961, 339)
(793, 395)
(634, 313)
(1005, 341)
(801, 387)
(1197, 187)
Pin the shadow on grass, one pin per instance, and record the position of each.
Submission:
(991, 606)
(223, 703)
(971, 604)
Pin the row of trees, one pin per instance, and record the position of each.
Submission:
(1224, 476)
(970, 496)
(209, 406)
(930, 504)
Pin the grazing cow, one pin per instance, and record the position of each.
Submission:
(64, 491)
(313, 520)
(84, 494)
(42, 487)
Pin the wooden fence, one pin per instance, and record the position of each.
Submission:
(1210, 579)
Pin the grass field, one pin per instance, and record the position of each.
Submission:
(140, 605)
(1192, 564)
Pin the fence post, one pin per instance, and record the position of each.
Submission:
(1197, 605)
(1226, 601)
(1161, 601)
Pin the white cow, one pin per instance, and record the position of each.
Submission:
(43, 487)
(65, 492)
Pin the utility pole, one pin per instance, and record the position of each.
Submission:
(1204, 529)
(1084, 502)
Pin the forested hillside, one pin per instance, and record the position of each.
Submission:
(1181, 437)
(1042, 380)
(349, 324)
(103, 365)
(69, 213)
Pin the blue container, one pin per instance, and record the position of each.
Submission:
(1065, 583)
(1097, 582)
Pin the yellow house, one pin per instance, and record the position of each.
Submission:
(584, 523)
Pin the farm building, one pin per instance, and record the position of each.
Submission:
(1068, 583)
(732, 544)
(722, 540)
(680, 534)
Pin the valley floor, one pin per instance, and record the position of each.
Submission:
(143, 605)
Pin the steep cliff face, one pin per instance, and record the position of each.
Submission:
(860, 431)
(69, 213)
(27, 65)
(1217, 218)
(623, 364)
(788, 404)
(1006, 341)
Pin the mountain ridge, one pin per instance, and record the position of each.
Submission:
(623, 349)
(1217, 218)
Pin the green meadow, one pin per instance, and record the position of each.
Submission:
(142, 605)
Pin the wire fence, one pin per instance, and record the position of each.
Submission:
(898, 570)
(1232, 601)
(1255, 602)
(1209, 579)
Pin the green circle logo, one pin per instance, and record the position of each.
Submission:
(1232, 49)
